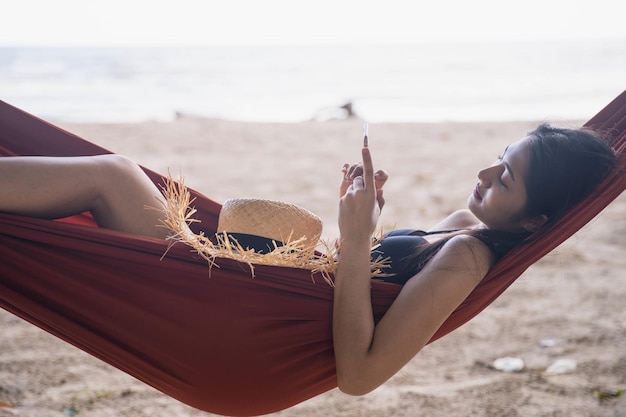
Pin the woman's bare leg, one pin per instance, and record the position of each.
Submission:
(112, 187)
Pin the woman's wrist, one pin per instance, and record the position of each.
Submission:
(354, 260)
(355, 244)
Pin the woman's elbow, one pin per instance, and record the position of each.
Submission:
(354, 385)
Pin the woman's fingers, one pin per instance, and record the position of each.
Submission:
(351, 172)
(368, 170)
(345, 169)
(380, 178)
(358, 183)
(359, 207)
(355, 170)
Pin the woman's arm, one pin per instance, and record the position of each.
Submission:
(367, 355)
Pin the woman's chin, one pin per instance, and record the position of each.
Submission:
(472, 204)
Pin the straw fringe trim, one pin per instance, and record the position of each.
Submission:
(178, 215)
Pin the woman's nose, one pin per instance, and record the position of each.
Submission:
(482, 177)
(487, 175)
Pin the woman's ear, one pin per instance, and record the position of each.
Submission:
(534, 223)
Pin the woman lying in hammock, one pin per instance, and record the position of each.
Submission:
(529, 186)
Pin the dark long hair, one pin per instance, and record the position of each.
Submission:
(565, 166)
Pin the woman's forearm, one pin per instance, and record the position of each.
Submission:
(353, 322)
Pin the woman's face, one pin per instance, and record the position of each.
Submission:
(499, 198)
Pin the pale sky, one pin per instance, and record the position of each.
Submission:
(198, 22)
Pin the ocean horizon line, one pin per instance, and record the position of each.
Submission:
(394, 84)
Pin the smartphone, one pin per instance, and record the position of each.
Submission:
(365, 134)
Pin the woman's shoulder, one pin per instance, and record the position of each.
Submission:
(460, 219)
(467, 252)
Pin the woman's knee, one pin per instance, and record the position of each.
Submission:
(118, 170)
(115, 163)
(126, 191)
(112, 175)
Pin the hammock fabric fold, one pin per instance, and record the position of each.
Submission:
(225, 343)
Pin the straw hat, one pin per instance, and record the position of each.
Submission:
(276, 220)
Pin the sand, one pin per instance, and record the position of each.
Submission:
(570, 305)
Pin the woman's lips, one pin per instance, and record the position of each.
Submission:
(477, 194)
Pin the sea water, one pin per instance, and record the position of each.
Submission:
(384, 83)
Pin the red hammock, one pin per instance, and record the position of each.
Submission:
(228, 343)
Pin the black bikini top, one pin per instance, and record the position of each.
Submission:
(398, 247)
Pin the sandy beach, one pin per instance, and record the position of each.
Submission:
(570, 305)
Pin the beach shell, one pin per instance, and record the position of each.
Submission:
(561, 366)
(509, 364)
(547, 343)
